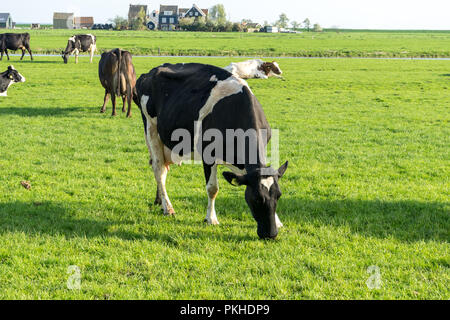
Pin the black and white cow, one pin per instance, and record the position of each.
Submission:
(181, 96)
(13, 42)
(80, 43)
(8, 78)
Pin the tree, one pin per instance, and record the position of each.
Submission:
(140, 21)
(218, 13)
(283, 21)
(119, 23)
(317, 28)
(307, 24)
(295, 25)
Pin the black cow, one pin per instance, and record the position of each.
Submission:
(174, 100)
(118, 77)
(8, 78)
(80, 43)
(13, 42)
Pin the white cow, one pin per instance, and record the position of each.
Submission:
(255, 69)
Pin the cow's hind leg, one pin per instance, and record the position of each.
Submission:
(23, 54)
(113, 99)
(158, 161)
(212, 188)
(31, 54)
(129, 97)
(124, 100)
(105, 101)
(7, 55)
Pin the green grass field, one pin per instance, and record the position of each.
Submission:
(308, 44)
(368, 185)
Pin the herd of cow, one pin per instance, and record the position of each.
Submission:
(175, 97)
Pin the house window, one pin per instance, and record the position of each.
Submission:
(164, 20)
(196, 14)
(191, 13)
(172, 20)
(168, 13)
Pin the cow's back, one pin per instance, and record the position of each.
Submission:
(181, 94)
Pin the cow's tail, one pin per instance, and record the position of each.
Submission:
(119, 57)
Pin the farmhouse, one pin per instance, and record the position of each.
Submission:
(62, 20)
(6, 21)
(252, 27)
(153, 20)
(168, 18)
(84, 22)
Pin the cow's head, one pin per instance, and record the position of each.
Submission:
(271, 69)
(262, 196)
(13, 75)
(65, 57)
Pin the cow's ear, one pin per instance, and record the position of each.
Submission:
(283, 169)
(236, 180)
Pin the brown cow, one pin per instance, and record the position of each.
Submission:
(118, 77)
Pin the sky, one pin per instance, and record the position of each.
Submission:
(356, 14)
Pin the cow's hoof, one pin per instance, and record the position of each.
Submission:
(114, 115)
(170, 213)
(102, 111)
(211, 222)
(128, 115)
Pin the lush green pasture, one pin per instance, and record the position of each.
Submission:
(368, 185)
(327, 44)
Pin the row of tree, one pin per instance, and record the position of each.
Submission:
(284, 22)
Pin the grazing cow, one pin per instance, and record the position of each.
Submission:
(80, 43)
(255, 69)
(13, 42)
(8, 78)
(179, 97)
(118, 77)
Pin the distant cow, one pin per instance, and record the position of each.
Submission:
(8, 78)
(118, 77)
(13, 42)
(255, 69)
(175, 98)
(80, 43)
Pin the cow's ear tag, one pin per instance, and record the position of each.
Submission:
(10, 76)
(234, 182)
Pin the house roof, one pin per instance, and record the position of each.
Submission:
(135, 9)
(183, 11)
(253, 25)
(203, 12)
(84, 20)
(62, 15)
(163, 8)
(4, 17)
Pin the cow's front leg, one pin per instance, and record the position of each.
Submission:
(92, 53)
(212, 189)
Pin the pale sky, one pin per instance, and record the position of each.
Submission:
(361, 14)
